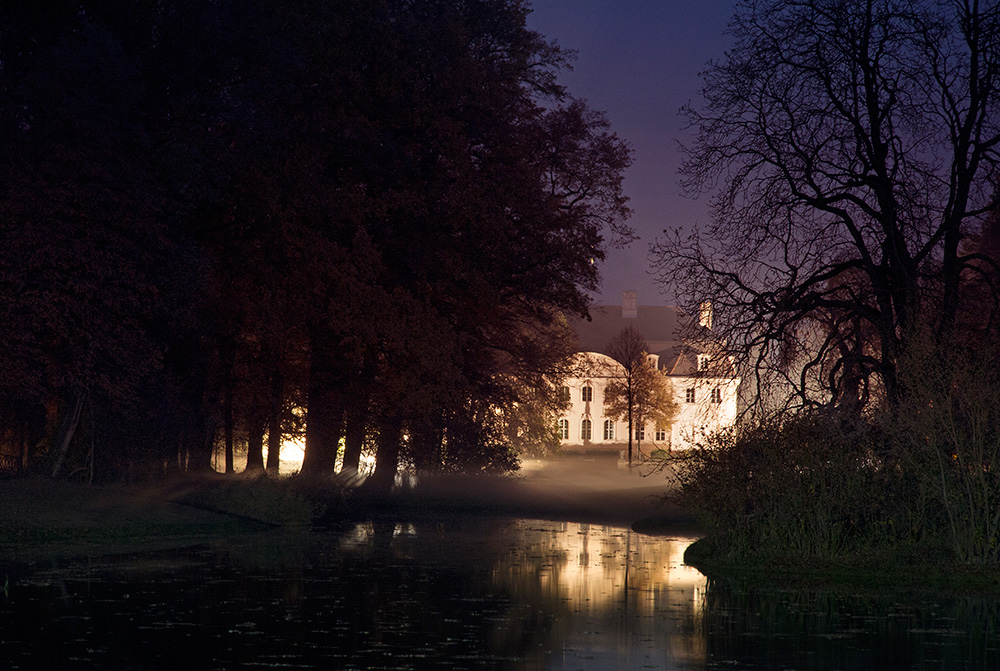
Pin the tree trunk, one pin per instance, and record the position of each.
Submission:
(68, 429)
(201, 444)
(255, 446)
(228, 423)
(354, 440)
(386, 456)
(325, 412)
(356, 417)
(274, 423)
(630, 427)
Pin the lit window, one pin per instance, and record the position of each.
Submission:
(716, 395)
(702, 362)
(588, 394)
(585, 429)
(661, 435)
(640, 432)
(609, 430)
(564, 429)
(689, 395)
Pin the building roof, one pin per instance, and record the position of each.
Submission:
(660, 325)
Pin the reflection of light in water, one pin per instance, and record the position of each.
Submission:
(589, 564)
(637, 597)
(593, 597)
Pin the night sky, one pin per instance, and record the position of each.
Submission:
(638, 61)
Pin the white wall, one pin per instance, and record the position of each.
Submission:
(692, 420)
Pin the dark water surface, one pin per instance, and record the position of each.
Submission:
(463, 594)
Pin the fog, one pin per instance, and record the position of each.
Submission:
(595, 489)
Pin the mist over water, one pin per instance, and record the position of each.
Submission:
(595, 488)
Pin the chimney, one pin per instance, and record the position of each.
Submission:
(705, 314)
(630, 304)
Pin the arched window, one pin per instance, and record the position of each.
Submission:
(585, 429)
(564, 429)
(609, 430)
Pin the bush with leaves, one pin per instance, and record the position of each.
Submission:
(813, 486)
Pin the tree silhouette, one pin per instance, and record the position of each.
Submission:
(854, 146)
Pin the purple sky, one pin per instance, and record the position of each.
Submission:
(638, 61)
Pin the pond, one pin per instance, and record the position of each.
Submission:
(464, 593)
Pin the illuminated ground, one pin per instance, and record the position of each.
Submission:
(578, 488)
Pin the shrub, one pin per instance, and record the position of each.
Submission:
(947, 432)
(816, 485)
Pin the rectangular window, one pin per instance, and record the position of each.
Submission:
(702, 362)
(588, 394)
(689, 395)
(565, 394)
(716, 395)
(661, 435)
(640, 432)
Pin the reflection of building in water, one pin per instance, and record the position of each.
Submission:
(635, 587)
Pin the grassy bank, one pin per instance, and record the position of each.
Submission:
(40, 517)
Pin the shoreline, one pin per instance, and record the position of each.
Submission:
(41, 518)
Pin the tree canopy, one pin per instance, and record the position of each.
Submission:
(216, 214)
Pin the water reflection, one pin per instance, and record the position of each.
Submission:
(450, 594)
(587, 596)
(467, 593)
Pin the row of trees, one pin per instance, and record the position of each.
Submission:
(215, 215)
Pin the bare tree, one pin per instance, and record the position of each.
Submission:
(850, 146)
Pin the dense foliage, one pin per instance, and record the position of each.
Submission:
(915, 485)
(215, 215)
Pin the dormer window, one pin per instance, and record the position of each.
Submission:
(702, 362)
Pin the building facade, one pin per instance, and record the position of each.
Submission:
(700, 374)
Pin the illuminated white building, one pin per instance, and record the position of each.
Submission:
(701, 375)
